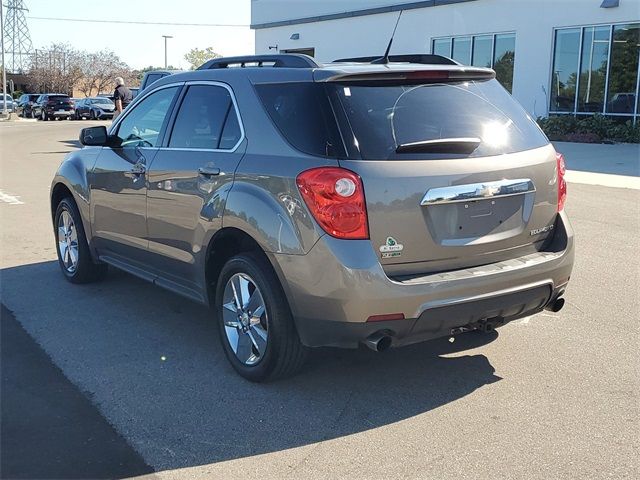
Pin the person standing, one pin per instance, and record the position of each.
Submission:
(121, 96)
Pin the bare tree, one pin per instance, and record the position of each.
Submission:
(61, 68)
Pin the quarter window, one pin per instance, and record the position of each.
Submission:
(207, 120)
(142, 126)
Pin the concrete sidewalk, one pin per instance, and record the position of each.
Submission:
(615, 166)
(619, 159)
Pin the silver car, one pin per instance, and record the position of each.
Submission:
(323, 205)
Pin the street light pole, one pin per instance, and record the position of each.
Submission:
(165, 48)
(4, 70)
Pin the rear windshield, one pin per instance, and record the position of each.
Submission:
(60, 97)
(377, 122)
(385, 117)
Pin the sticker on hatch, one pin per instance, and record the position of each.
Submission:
(391, 248)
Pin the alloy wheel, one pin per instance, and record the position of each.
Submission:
(245, 318)
(68, 241)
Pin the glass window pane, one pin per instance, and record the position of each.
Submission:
(482, 51)
(303, 114)
(384, 117)
(504, 58)
(142, 125)
(593, 73)
(462, 50)
(442, 46)
(565, 70)
(623, 73)
(201, 117)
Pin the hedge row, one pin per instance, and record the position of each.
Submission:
(591, 129)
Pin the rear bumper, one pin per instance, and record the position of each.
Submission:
(339, 284)
(58, 113)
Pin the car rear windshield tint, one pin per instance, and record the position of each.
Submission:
(302, 113)
(62, 98)
(477, 113)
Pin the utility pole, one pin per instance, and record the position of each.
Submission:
(4, 70)
(165, 48)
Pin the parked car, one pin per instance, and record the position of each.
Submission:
(622, 103)
(51, 106)
(25, 102)
(11, 105)
(376, 204)
(134, 92)
(153, 76)
(95, 108)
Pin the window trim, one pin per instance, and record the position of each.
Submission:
(172, 120)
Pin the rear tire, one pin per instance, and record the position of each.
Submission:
(278, 352)
(74, 256)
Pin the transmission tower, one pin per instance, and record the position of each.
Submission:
(17, 41)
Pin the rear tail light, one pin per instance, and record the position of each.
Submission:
(562, 183)
(386, 318)
(335, 197)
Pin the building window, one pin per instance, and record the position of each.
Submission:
(595, 70)
(492, 51)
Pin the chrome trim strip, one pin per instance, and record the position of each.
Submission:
(477, 191)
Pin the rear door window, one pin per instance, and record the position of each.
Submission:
(207, 119)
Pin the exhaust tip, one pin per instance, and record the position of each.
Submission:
(556, 305)
(378, 342)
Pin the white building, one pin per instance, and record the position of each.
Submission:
(555, 56)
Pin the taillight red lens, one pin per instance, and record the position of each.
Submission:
(562, 183)
(335, 197)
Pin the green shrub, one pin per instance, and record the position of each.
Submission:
(589, 129)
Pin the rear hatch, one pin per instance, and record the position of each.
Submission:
(455, 173)
(60, 102)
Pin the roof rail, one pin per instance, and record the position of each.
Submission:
(423, 58)
(285, 60)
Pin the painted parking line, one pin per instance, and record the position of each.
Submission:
(10, 199)
(603, 179)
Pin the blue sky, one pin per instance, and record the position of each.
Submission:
(142, 45)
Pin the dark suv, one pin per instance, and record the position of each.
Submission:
(323, 205)
(51, 106)
(25, 102)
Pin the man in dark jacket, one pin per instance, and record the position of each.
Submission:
(121, 96)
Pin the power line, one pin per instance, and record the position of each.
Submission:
(134, 22)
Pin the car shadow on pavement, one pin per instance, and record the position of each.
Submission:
(152, 364)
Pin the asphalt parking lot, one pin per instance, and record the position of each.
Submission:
(140, 370)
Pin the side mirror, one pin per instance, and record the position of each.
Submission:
(94, 136)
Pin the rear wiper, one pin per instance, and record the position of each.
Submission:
(441, 145)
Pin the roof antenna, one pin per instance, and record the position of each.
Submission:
(385, 58)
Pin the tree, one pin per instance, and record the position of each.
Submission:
(60, 68)
(197, 57)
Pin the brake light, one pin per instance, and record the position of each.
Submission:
(562, 183)
(335, 197)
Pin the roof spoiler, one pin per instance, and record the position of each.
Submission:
(413, 76)
(421, 58)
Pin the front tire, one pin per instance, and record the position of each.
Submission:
(74, 256)
(257, 331)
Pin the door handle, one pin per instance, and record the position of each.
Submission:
(138, 169)
(209, 171)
